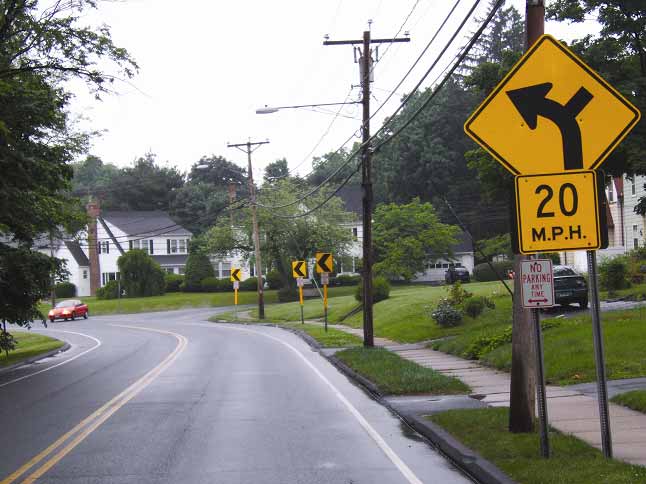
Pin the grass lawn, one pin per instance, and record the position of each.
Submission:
(569, 353)
(635, 400)
(636, 291)
(397, 376)
(173, 300)
(333, 338)
(340, 302)
(28, 345)
(572, 461)
(404, 316)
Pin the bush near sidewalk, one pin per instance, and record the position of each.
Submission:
(572, 461)
(396, 376)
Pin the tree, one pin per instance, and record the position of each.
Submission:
(407, 236)
(41, 48)
(198, 267)
(325, 166)
(275, 171)
(141, 276)
(287, 233)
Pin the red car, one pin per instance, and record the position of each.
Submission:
(69, 309)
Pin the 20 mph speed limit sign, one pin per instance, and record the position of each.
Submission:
(557, 212)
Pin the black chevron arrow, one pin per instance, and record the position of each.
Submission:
(531, 102)
(236, 274)
(322, 262)
(298, 268)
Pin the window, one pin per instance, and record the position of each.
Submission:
(633, 188)
(171, 246)
(170, 270)
(183, 244)
(135, 244)
(355, 234)
(634, 228)
(445, 266)
(104, 247)
(457, 264)
(225, 270)
(611, 191)
(84, 273)
(109, 276)
(181, 270)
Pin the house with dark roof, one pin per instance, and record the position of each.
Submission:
(154, 232)
(77, 263)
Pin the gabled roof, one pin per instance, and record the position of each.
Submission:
(464, 244)
(145, 223)
(78, 254)
(352, 198)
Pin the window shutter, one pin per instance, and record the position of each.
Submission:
(107, 247)
(152, 251)
(168, 246)
(130, 244)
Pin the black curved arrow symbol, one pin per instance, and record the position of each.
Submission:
(235, 273)
(322, 262)
(531, 102)
(298, 268)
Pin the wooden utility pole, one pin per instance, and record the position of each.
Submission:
(248, 148)
(366, 71)
(522, 398)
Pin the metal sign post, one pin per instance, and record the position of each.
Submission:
(597, 332)
(299, 282)
(325, 279)
(537, 279)
(236, 286)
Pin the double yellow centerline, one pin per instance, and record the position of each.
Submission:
(53, 454)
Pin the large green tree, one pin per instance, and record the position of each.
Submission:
(42, 46)
(141, 276)
(409, 235)
(286, 234)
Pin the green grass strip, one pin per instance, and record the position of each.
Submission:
(635, 400)
(396, 376)
(29, 345)
(518, 455)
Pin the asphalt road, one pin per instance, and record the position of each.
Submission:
(170, 398)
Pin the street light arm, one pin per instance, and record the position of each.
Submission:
(274, 109)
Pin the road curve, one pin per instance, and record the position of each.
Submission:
(168, 397)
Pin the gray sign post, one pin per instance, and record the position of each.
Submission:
(597, 332)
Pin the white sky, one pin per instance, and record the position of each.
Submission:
(206, 65)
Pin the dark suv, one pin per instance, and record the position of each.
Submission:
(570, 287)
(456, 274)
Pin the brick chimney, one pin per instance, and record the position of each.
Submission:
(93, 210)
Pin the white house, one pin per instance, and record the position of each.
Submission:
(76, 261)
(626, 229)
(153, 231)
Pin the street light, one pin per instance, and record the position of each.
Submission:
(275, 109)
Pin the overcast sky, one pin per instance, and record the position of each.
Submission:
(207, 65)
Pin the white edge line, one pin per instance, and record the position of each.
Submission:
(390, 453)
(98, 343)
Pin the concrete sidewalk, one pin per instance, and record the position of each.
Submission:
(569, 410)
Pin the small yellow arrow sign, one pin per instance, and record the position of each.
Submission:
(299, 268)
(324, 262)
(236, 275)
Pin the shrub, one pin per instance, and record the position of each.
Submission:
(380, 290)
(250, 284)
(288, 294)
(483, 273)
(210, 284)
(446, 315)
(141, 276)
(346, 280)
(65, 289)
(198, 267)
(274, 279)
(109, 291)
(173, 282)
(614, 274)
(474, 306)
(457, 294)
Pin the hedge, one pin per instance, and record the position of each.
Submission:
(65, 289)
(483, 273)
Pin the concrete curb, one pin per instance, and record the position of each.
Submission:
(36, 358)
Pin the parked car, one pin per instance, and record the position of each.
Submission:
(570, 287)
(454, 274)
(69, 309)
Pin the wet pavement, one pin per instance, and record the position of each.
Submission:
(167, 397)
